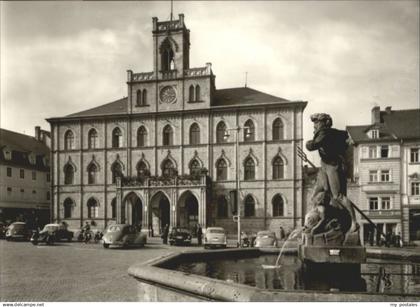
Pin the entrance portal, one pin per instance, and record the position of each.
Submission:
(133, 208)
(187, 211)
(160, 212)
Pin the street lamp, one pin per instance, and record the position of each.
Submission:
(226, 135)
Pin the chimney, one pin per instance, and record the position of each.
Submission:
(38, 133)
(388, 110)
(376, 115)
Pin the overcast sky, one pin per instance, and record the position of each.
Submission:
(343, 58)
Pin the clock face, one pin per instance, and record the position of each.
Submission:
(167, 94)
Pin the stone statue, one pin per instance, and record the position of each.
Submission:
(332, 218)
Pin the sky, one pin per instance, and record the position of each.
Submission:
(343, 57)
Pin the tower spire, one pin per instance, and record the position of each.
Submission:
(246, 79)
(172, 9)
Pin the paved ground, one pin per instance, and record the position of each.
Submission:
(71, 271)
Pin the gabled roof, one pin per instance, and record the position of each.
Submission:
(21, 145)
(115, 107)
(243, 96)
(395, 125)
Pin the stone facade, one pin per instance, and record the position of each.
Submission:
(176, 98)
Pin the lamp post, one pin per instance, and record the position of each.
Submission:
(237, 129)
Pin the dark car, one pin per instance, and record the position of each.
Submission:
(123, 235)
(179, 236)
(18, 231)
(60, 231)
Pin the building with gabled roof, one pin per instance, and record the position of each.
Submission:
(166, 153)
(25, 176)
(386, 165)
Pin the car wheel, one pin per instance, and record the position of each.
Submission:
(69, 239)
(34, 242)
(106, 245)
(171, 243)
(224, 246)
(205, 246)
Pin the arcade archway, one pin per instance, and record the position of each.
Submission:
(187, 211)
(133, 209)
(159, 212)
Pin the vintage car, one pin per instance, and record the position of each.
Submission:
(266, 238)
(18, 231)
(179, 236)
(215, 237)
(123, 235)
(60, 231)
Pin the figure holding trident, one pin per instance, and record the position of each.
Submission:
(329, 196)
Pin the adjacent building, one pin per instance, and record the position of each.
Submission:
(25, 176)
(167, 153)
(386, 167)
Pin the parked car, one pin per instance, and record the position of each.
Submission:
(46, 235)
(179, 236)
(123, 235)
(215, 237)
(61, 231)
(18, 231)
(266, 238)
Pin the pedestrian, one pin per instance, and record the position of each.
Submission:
(371, 237)
(165, 234)
(398, 241)
(199, 234)
(388, 239)
(282, 234)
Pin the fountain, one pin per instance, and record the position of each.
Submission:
(330, 264)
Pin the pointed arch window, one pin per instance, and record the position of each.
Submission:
(92, 139)
(278, 168)
(249, 206)
(249, 131)
(68, 174)
(168, 169)
(195, 167)
(278, 205)
(114, 208)
(69, 140)
(167, 56)
(194, 134)
(168, 136)
(197, 93)
(222, 207)
(138, 98)
(249, 169)
(93, 208)
(278, 130)
(116, 138)
(92, 173)
(221, 133)
(221, 170)
(142, 169)
(68, 208)
(144, 98)
(116, 171)
(191, 93)
(141, 137)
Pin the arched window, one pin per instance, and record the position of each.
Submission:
(249, 169)
(278, 205)
(191, 95)
(92, 139)
(249, 206)
(167, 58)
(141, 137)
(278, 168)
(116, 138)
(116, 170)
(69, 140)
(68, 208)
(168, 168)
(278, 130)
(68, 174)
(249, 131)
(168, 135)
(92, 173)
(114, 208)
(144, 98)
(194, 134)
(197, 93)
(93, 208)
(138, 98)
(222, 206)
(195, 167)
(221, 133)
(221, 167)
(142, 169)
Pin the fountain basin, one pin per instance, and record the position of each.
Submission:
(156, 282)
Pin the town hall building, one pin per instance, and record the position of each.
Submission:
(168, 154)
